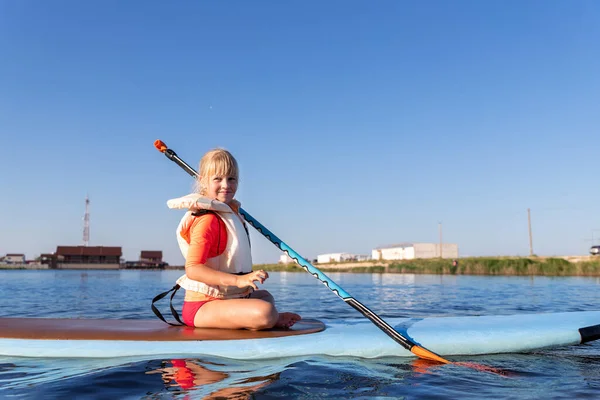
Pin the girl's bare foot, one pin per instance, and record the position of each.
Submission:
(287, 320)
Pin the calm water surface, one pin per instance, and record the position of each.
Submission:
(569, 372)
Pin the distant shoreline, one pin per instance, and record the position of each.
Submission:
(508, 266)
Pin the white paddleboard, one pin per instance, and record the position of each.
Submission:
(445, 336)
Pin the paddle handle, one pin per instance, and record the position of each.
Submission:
(171, 155)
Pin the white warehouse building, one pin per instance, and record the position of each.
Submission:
(339, 257)
(285, 259)
(410, 251)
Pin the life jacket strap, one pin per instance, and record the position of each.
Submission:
(174, 289)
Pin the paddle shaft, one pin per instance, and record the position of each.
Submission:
(308, 267)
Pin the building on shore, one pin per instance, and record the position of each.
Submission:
(410, 251)
(340, 257)
(149, 259)
(285, 259)
(13, 258)
(83, 257)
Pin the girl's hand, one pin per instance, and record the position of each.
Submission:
(243, 281)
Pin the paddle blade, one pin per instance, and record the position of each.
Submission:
(428, 355)
(160, 145)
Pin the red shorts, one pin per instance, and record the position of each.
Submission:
(189, 310)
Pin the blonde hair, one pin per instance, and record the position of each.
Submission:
(218, 162)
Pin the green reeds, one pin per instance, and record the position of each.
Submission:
(518, 266)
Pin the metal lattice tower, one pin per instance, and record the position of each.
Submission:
(86, 222)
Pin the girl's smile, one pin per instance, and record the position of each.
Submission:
(222, 188)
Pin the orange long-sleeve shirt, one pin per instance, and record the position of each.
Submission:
(207, 236)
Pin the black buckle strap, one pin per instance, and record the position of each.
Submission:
(174, 289)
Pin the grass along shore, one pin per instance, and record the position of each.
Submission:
(517, 266)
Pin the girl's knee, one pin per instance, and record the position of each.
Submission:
(264, 316)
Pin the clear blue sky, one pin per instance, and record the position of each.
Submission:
(355, 123)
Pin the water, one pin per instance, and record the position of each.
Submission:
(569, 372)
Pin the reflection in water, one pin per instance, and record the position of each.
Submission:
(422, 367)
(283, 278)
(208, 382)
(396, 279)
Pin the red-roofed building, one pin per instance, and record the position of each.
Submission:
(151, 256)
(84, 257)
(148, 259)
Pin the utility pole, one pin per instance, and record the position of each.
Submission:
(86, 222)
(594, 230)
(592, 239)
(440, 229)
(530, 236)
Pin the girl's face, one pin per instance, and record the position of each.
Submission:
(221, 188)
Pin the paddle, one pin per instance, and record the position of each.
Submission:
(408, 344)
(381, 324)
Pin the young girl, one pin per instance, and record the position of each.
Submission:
(221, 290)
